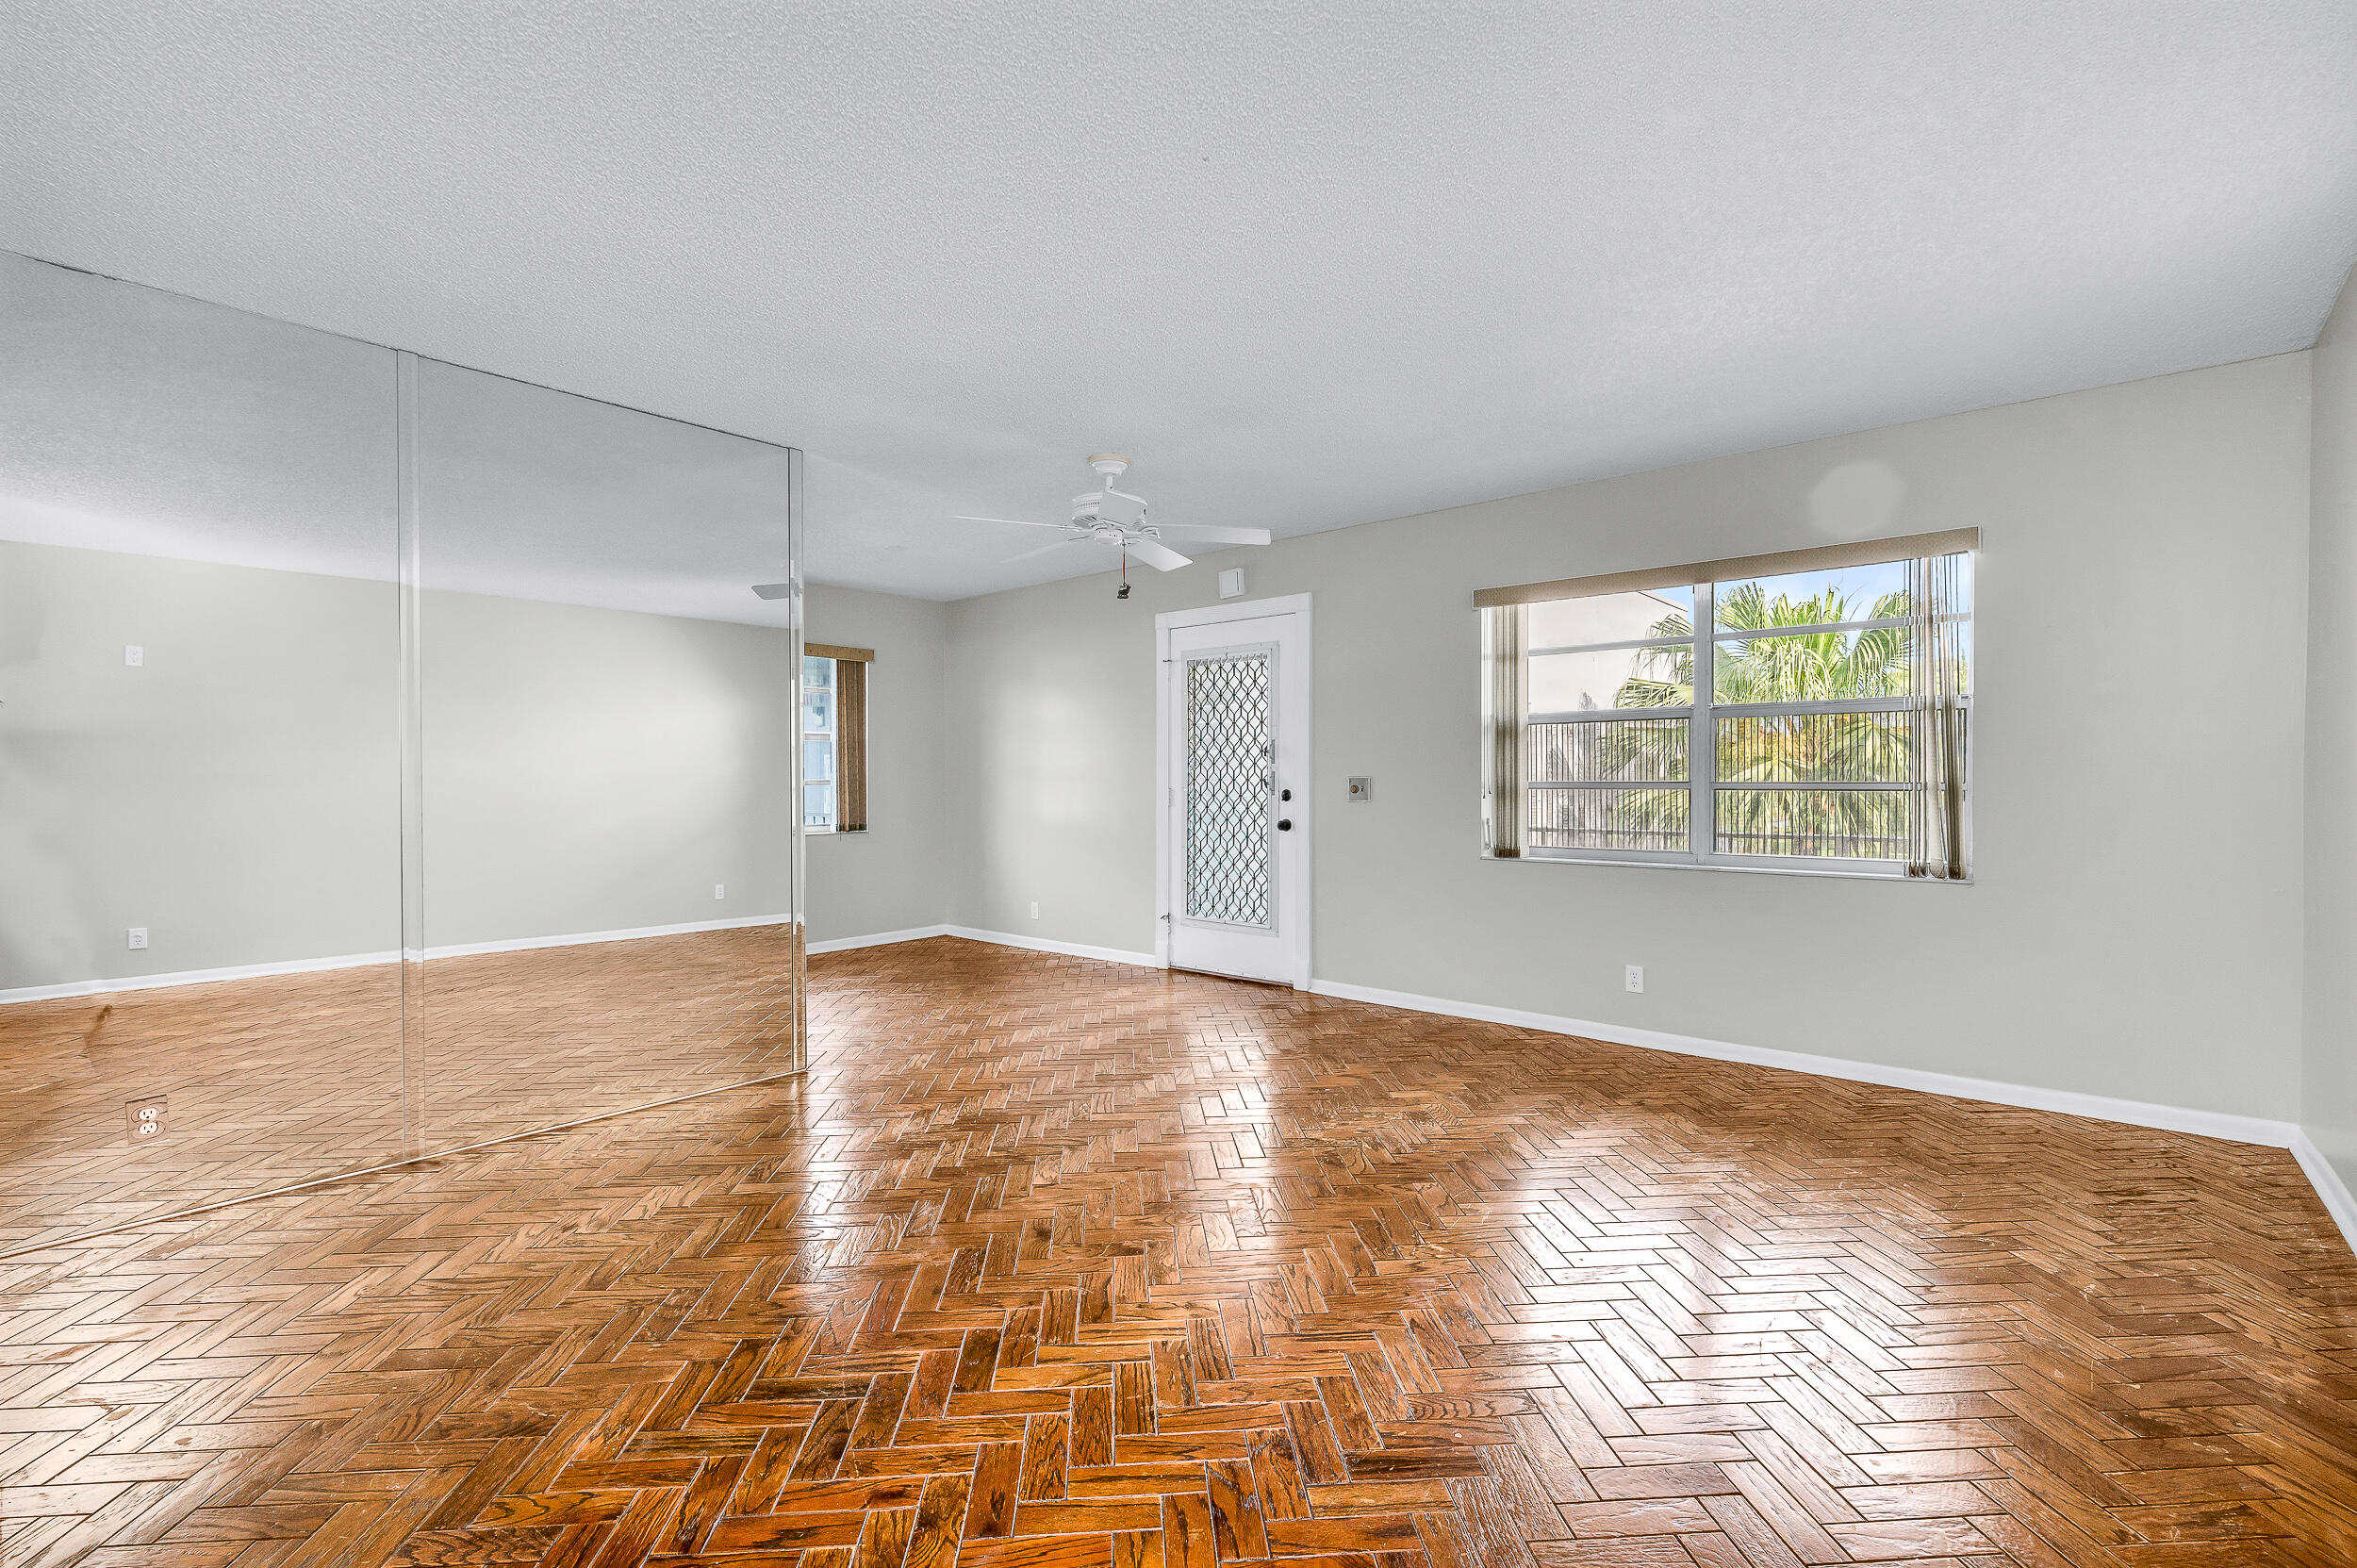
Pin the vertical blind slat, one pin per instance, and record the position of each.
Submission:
(850, 746)
(1935, 813)
(1507, 794)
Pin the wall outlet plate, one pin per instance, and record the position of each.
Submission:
(136, 937)
(719, 890)
(134, 655)
(1362, 789)
(143, 1119)
(1633, 978)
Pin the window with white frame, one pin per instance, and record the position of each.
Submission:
(1803, 711)
(819, 749)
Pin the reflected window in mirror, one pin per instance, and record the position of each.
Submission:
(818, 744)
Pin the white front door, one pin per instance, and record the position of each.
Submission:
(1236, 793)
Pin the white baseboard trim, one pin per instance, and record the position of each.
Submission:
(194, 977)
(572, 939)
(1041, 944)
(2136, 1112)
(582, 938)
(361, 960)
(2338, 1201)
(876, 939)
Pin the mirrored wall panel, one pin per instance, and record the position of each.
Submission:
(199, 666)
(609, 735)
(392, 756)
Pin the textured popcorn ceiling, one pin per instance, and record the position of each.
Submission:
(1310, 264)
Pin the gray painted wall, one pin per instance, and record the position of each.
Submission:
(237, 794)
(2136, 926)
(2329, 1078)
(590, 770)
(586, 770)
(894, 875)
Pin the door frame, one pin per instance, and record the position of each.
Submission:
(1293, 695)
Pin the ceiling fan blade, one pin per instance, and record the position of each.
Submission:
(1020, 522)
(1215, 534)
(774, 590)
(1155, 554)
(1043, 550)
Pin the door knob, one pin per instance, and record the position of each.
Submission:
(1284, 794)
(1284, 824)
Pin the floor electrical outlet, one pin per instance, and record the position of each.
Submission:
(144, 1119)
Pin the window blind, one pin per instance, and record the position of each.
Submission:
(850, 731)
(1502, 631)
(850, 745)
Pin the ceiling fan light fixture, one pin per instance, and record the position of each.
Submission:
(1108, 515)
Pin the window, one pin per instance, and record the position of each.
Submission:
(834, 738)
(1801, 712)
(818, 744)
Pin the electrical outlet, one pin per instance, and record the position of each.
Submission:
(1633, 979)
(719, 890)
(134, 655)
(139, 937)
(143, 1119)
(1034, 909)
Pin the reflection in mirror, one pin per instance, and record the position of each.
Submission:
(199, 674)
(240, 562)
(609, 747)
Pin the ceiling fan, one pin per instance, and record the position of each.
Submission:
(1107, 516)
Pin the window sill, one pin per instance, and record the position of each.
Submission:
(1842, 873)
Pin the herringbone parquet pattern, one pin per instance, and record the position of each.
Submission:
(1056, 1262)
(275, 1082)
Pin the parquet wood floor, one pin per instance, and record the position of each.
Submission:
(274, 1081)
(1053, 1263)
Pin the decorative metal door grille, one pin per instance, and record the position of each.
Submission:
(1231, 780)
